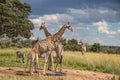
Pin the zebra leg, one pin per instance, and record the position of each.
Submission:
(23, 59)
(16, 59)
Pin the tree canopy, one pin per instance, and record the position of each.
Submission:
(96, 47)
(14, 18)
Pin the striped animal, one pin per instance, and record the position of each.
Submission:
(20, 56)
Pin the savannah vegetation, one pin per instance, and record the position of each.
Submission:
(14, 19)
(107, 63)
(15, 26)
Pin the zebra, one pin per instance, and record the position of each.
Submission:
(20, 55)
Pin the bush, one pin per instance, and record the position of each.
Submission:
(96, 47)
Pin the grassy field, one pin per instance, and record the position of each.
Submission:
(25, 78)
(108, 63)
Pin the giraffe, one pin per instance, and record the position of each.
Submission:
(58, 47)
(83, 47)
(43, 26)
(32, 56)
(47, 46)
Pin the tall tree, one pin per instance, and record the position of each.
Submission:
(14, 18)
(96, 47)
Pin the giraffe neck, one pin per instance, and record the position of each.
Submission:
(46, 32)
(59, 34)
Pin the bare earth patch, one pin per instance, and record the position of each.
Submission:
(66, 74)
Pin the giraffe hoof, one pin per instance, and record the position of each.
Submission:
(38, 72)
(44, 74)
(31, 73)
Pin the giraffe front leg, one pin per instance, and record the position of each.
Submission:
(52, 62)
(32, 63)
(61, 63)
(27, 64)
(49, 62)
(46, 60)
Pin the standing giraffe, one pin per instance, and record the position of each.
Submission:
(83, 47)
(32, 57)
(58, 47)
(47, 46)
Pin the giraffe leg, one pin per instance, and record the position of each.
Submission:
(27, 63)
(57, 62)
(61, 63)
(52, 63)
(32, 63)
(49, 62)
(82, 53)
(31, 67)
(46, 60)
(36, 63)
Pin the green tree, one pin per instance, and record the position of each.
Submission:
(95, 47)
(14, 18)
(72, 45)
(63, 41)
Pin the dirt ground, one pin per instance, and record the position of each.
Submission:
(66, 74)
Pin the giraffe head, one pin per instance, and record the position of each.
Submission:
(68, 26)
(81, 42)
(42, 26)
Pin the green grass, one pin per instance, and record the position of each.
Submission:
(26, 78)
(108, 63)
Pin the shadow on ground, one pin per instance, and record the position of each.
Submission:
(49, 73)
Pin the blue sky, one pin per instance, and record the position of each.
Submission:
(92, 20)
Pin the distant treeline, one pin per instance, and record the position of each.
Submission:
(69, 45)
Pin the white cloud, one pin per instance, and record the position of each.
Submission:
(103, 11)
(33, 38)
(103, 27)
(118, 31)
(83, 28)
(89, 11)
(77, 11)
(54, 18)
(93, 14)
(97, 40)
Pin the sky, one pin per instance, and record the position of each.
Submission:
(92, 20)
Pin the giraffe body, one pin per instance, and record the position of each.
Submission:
(32, 57)
(83, 48)
(47, 45)
(58, 48)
